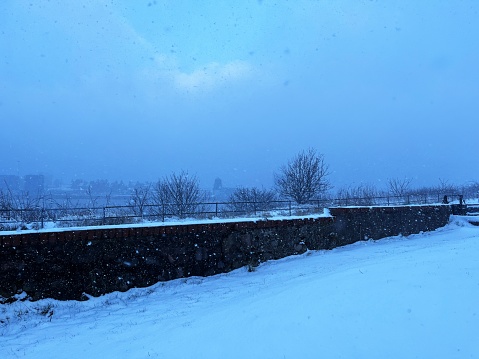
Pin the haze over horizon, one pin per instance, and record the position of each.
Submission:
(122, 91)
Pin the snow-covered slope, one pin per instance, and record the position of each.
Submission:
(400, 297)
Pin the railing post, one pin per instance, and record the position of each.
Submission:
(290, 213)
(163, 212)
(216, 209)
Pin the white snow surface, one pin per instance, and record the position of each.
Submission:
(398, 297)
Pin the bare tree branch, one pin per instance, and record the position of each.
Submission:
(139, 200)
(399, 187)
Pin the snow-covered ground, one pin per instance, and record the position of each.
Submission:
(400, 297)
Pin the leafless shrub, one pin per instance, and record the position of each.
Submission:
(361, 195)
(471, 190)
(447, 188)
(437, 193)
(251, 200)
(178, 195)
(139, 200)
(399, 187)
(65, 208)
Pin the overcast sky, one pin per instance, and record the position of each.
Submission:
(134, 90)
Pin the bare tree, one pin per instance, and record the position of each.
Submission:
(93, 200)
(179, 194)
(161, 198)
(304, 177)
(446, 188)
(6, 201)
(399, 187)
(139, 200)
(249, 200)
(24, 208)
(67, 208)
(7, 213)
(471, 190)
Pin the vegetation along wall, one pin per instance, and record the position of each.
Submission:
(67, 264)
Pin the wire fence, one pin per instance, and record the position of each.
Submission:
(45, 217)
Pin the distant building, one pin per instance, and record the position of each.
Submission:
(220, 193)
(218, 185)
(34, 184)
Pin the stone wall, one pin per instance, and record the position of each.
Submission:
(363, 223)
(64, 265)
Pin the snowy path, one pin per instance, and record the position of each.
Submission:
(401, 297)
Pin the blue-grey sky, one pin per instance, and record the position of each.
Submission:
(134, 90)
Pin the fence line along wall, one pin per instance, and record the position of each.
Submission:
(64, 265)
(39, 216)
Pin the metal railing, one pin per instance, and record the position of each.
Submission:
(42, 217)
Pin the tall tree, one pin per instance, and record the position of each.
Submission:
(304, 177)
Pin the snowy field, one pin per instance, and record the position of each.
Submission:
(400, 297)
